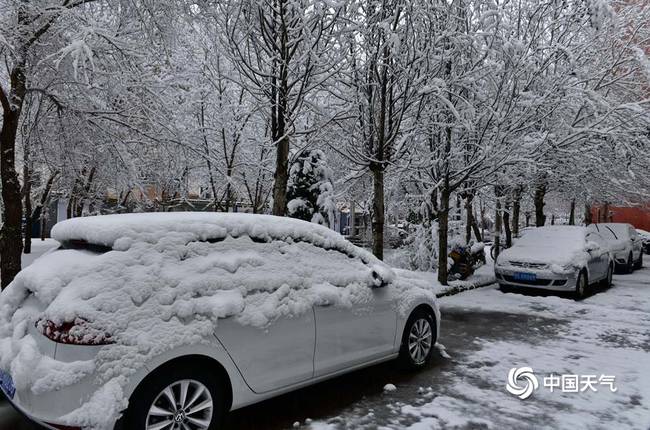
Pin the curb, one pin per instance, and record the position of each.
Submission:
(459, 289)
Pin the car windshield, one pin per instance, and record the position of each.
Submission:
(620, 230)
(553, 237)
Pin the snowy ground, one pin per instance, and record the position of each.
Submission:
(487, 333)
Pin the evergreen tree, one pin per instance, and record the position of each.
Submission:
(310, 189)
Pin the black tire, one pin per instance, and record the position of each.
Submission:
(607, 282)
(150, 390)
(629, 267)
(418, 358)
(582, 286)
(639, 263)
(505, 288)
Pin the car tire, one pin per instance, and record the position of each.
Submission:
(151, 403)
(629, 267)
(607, 282)
(505, 288)
(639, 263)
(418, 340)
(582, 285)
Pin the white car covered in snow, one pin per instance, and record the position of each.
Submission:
(171, 320)
(645, 240)
(625, 244)
(556, 258)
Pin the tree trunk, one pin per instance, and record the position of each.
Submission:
(540, 193)
(477, 231)
(572, 213)
(378, 212)
(516, 209)
(497, 229)
(27, 195)
(469, 214)
(11, 244)
(506, 225)
(281, 178)
(443, 230)
(588, 216)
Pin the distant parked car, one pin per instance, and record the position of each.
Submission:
(624, 242)
(645, 239)
(556, 258)
(174, 319)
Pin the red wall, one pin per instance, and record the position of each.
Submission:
(639, 217)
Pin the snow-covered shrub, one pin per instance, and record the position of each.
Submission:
(420, 249)
(310, 191)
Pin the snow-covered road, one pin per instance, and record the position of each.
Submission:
(487, 333)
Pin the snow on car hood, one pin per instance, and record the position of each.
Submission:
(557, 246)
(167, 282)
(544, 254)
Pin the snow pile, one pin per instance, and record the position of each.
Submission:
(166, 282)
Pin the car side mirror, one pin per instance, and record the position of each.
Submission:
(591, 246)
(378, 281)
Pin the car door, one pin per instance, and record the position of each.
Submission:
(272, 357)
(348, 336)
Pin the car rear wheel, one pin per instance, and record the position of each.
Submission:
(582, 285)
(178, 398)
(418, 340)
(639, 262)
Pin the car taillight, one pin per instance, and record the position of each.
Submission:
(77, 332)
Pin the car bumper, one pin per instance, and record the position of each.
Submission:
(546, 279)
(48, 407)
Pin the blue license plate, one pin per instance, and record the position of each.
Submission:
(519, 276)
(7, 384)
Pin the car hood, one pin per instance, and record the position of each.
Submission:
(551, 255)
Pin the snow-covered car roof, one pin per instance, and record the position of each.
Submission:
(119, 231)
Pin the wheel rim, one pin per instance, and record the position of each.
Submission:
(420, 340)
(183, 405)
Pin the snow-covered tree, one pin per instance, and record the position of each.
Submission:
(310, 189)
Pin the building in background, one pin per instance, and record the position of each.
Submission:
(638, 216)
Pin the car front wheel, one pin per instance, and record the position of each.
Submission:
(178, 398)
(582, 284)
(629, 267)
(639, 262)
(607, 282)
(418, 340)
